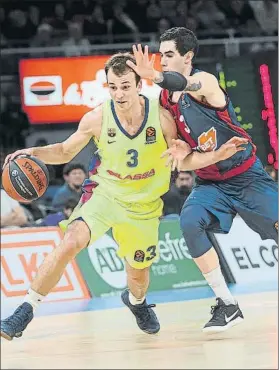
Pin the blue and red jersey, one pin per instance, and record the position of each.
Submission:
(206, 128)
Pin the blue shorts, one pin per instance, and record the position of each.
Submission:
(252, 194)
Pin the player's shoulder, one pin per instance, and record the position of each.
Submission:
(93, 115)
(205, 76)
(91, 122)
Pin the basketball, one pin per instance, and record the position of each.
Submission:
(25, 178)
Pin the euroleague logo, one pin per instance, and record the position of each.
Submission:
(42, 90)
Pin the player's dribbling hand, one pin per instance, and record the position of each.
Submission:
(12, 156)
(178, 151)
(231, 147)
(143, 67)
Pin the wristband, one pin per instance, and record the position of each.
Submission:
(172, 81)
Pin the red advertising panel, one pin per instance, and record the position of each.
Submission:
(58, 90)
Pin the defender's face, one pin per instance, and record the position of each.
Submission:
(123, 89)
(171, 60)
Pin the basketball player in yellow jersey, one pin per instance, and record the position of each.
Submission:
(131, 132)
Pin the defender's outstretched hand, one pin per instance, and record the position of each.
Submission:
(231, 147)
(144, 66)
(177, 153)
(180, 150)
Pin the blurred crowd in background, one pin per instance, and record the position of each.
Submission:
(85, 22)
(76, 26)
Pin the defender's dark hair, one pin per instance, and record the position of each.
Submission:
(185, 40)
(118, 64)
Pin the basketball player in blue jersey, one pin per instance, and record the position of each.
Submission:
(205, 119)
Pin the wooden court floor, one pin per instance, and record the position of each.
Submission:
(110, 339)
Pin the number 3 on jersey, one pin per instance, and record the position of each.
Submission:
(133, 162)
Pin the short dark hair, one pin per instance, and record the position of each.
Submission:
(118, 64)
(69, 167)
(185, 40)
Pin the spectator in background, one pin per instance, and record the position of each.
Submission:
(34, 16)
(153, 15)
(12, 213)
(95, 25)
(76, 44)
(266, 14)
(121, 23)
(53, 219)
(163, 25)
(74, 175)
(182, 14)
(209, 16)
(58, 21)
(169, 10)
(18, 27)
(178, 193)
(238, 13)
(43, 37)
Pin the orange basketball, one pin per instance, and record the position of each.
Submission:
(25, 178)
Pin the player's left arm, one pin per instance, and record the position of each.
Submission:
(182, 160)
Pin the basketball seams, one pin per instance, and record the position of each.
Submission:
(14, 189)
(44, 169)
(24, 174)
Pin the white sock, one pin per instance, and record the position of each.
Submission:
(33, 298)
(133, 300)
(217, 283)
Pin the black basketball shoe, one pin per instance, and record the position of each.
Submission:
(146, 318)
(223, 317)
(14, 325)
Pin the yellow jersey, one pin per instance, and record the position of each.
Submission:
(131, 169)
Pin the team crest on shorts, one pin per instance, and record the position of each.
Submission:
(276, 225)
(139, 256)
(111, 132)
(150, 135)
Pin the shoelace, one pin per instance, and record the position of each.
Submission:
(217, 311)
(16, 320)
(144, 310)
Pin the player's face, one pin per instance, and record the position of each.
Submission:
(171, 60)
(123, 89)
(76, 177)
(184, 180)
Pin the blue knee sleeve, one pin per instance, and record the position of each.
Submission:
(194, 220)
